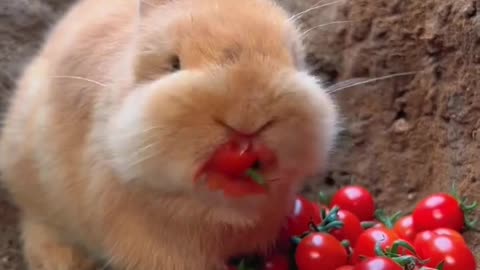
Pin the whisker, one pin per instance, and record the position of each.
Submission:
(149, 129)
(81, 79)
(315, 7)
(353, 83)
(142, 150)
(273, 180)
(302, 35)
(107, 264)
(346, 83)
(143, 159)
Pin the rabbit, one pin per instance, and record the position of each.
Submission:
(126, 100)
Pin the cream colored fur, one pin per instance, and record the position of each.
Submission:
(102, 167)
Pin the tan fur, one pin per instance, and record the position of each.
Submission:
(102, 167)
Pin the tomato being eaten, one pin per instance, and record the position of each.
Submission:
(233, 158)
(235, 168)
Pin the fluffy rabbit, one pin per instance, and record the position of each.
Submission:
(126, 101)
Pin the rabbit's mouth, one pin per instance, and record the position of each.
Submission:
(237, 168)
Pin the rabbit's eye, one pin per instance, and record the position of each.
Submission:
(175, 63)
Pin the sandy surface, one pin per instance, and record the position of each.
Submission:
(404, 137)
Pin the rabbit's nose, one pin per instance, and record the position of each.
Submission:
(250, 130)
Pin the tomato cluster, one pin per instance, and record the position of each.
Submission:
(349, 233)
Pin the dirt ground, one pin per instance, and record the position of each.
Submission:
(403, 137)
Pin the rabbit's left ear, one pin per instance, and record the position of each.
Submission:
(145, 5)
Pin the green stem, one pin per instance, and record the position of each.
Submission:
(368, 224)
(467, 209)
(324, 198)
(400, 243)
(329, 222)
(389, 222)
(256, 176)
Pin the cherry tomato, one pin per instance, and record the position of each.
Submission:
(367, 241)
(450, 232)
(454, 253)
(304, 212)
(357, 200)
(423, 238)
(351, 227)
(405, 229)
(378, 263)
(233, 188)
(277, 262)
(346, 267)
(320, 251)
(233, 158)
(438, 211)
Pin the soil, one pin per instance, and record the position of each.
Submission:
(402, 137)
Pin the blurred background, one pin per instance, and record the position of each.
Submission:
(403, 138)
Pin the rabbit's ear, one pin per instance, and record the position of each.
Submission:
(144, 6)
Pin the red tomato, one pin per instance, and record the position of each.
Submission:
(405, 229)
(304, 211)
(357, 200)
(378, 263)
(277, 262)
(438, 211)
(352, 227)
(233, 158)
(367, 241)
(449, 232)
(346, 267)
(422, 239)
(454, 253)
(233, 188)
(320, 251)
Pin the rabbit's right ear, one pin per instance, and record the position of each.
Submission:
(143, 6)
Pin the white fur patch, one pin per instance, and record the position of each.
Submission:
(124, 130)
(321, 99)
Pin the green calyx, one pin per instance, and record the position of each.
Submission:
(329, 222)
(243, 266)
(406, 261)
(367, 224)
(324, 198)
(389, 222)
(467, 209)
(256, 176)
(441, 266)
